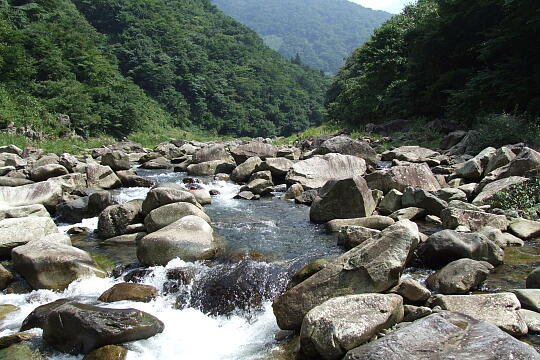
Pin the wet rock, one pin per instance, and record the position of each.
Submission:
(247, 195)
(313, 173)
(36, 319)
(351, 236)
(167, 214)
(222, 177)
(307, 197)
(211, 168)
(102, 177)
(19, 352)
(408, 213)
(129, 291)
(487, 194)
(445, 336)
(243, 152)
(459, 277)
(242, 172)
(347, 146)
(412, 291)
(108, 352)
(343, 323)
(189, 239)
(310, 269)
(16, 338)
(525, 229)
(6, 277)
(46, 192)
(376, 222)
(391, 202)
(130, 179)
(115, 219)
(499, 309)
(422, 199)
(413, 154)
(23, 211)
(167, 193)
(126, 239)
(342, 199)
(52, 265)
(528, 298)
(116, 160)
(399, 177)
(446, 246)
(373, 266)
(292, 192)
(533, 279)
(474, 220)
(35, 228)
(6, 309)
(79, 328)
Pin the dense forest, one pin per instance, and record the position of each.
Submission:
(460, 60)
(321, 32)
(124, 65)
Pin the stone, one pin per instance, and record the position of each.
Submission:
(16, 338)
(116, 160)
(422, 199)
(35, 228)
(167, 214)
(260, 187)
(446, 246)
(343, 323)
(533, 279)
(292, 192)
(408, 213)
(342, 199)
(247, 195)
(528, 298)
(459, 277)
(202, 196)
(242, 172)
(525, 229)
(68, 161)
(11, 149)
(6, 309)
(463, 205)
(101, 177)
(79, 328)
(129, 291)
(157, 163)
(278, 167)
(413, 154)
(210, 168)
(53, 265)
(23, 211)
(470, 170)
(307, 197)
(445, 335)
(6, 277)
(373, 266)
(190, 239)
(19, 352)
(412, 291)
(290, 153)
(130, 179)
(46, 193)
(376, 222)
(499, 309)
(346, 146)
(399, 177)
(448, 194)
(474, 220)
(14, 181)
(486, 196)
(391, 202)
(532, 319)
(315, 172)
(500, 158)
(108, 352)
(38, 316)
(243, 152)
(433, 220)
(211, 153)
(167, 193)
(42, 173)
(351, 236)
(310, 269)
(126, 239)
(495, 235)
(527, 160)
(115, 219)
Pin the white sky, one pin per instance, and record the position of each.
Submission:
(392, 6)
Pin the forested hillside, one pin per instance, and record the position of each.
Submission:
(322, 32)
(461, 60)
(120, 66)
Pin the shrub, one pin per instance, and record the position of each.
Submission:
(523, 197)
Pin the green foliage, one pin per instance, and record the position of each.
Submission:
(523, 197)
(455, 59)
(57, 146)
(321, 32)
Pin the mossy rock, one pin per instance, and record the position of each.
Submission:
(19, 352)
(5, 310)
(109, 352)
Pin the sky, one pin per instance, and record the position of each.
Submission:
(392, 6)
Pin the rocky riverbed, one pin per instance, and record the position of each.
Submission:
(206, 250)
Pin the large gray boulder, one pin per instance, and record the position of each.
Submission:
(527, 160)
(52, 265)
(242, 172)
(500, 158)
(129, 178)
(474, 220)
(211, 153)
(23, 211)
(167, 193)
(391, 202)
(487, 194)
(500, 309)
(525, 229)
(346, 146)
(414, 154)
(190, 239)
(343, 323)
(160, 162)
(399, 177)
(445, 335)
(47, 193)
(314, 172)
(211, 168)
(278, 167)
(101, 177)
(167, 214)
(42, 173)
(446, 246)
(459, 277)
(373, 266)
(243, 152)
(422, 199)
(528, 298)
(377, 222)
(351, 236)
(115, 219)
(342, 199)
(116, 160)
(19, 231)
(80, 328)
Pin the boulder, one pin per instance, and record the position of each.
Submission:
(259, 187)
(167, 193)
(499, 309)
(167, 214)
(108, 352)
(129, 178)
(445, 335)
(203, 196)
(247, 195)
(42, 173)
(19, 231)
(53, 265)
(351, 236)
(115, 219)
(528, 298)
(446, 246)
(210, 168)
(474, 220)
(314, 172)
(68, 161)
(189, 239)
(449, 194)
(340, 324)
(533, 279)
(532, 319)
(473, 169)
(409, 213)
(46, 193)
(500, 158)
(346, 146)
(20, 352)
(279, 167)
(412, 291)
(38, 316)
(527, 160)
(399, 177)
(307, 197)
(116, 160)
(413, 313)
(14, 181)
(243, 152)
(101, 177)
(157, 163)
(242, 172)
(211, 153)
(6, 277)
(422, 199)
(391, 202)
(129, 291)
(376, 222)
(413, 154)
(23, 211)
(485, 197)
(525, 229)
(79, 328)
(459, 277)
(342, 199)
(293, 191)
(373, 266)
(11, 149)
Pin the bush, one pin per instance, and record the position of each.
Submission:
(523, 197)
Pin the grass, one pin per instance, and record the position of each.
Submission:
(57, 146)
(150, 139)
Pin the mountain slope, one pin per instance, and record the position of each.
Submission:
(322, 32)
